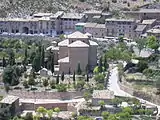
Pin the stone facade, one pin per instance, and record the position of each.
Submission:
(77, 49)
(120, 27)
(41, 24)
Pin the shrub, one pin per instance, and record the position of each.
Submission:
(142, 65)
(99, 78)
(61, 87)
(25, 84)
(53, 84)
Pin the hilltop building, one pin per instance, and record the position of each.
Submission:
(77, 48)
(42, 24)
(143, 14)
(120, 27)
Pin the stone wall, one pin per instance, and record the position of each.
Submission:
(149, 97)
(23, 94)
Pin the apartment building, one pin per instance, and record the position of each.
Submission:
(155, 31)
(144, 14)
(97, 16)
(42, 23)
(120, 27)
(96, 30)
(143, 26)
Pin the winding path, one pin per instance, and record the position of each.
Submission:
(113, 85)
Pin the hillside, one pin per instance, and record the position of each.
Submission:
(22, 8)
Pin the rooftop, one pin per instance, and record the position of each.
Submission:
(140, 28)
(9, 99)
(93, 12)
(52, 48)
(120, 20)
(149, 11)
(148, 22)
(42, 14)
(144, 11)
(103, 94)
(77, 35)
(64, 60)
(64, 43)
(78, 43)
(93, 43)
(57, 14)
(156, 31)
(80, 24)
(100, 26)
(72, 15)
(90, 24)
(96, 17)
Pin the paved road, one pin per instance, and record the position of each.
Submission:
(113, 85)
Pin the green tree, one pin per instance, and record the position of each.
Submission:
(42, 57)
(41, 110)
(74, 115)
(57, 79)
(62, 76)
(28, 116)
(124, 116)
(105, 115)
(100, 66)
(79, 71)
(152, 43)
(50, 114)
(45, 83)
(121, 39)
(53, 84)
(5, 113)
(112, 117)
(105, 64)
(11, 60)
(61, 87)
(10, 76)
(101, 103)
(36, 65)
(142, 65)
(87, 78)
(141, 43)
(80, 84)
(99, 78)
(4, 62)
(74, 76)
(87, 96)
(52, 64)
(31, 81)
(25, 84)
(127, 110)
(32, 56)
(57, 110)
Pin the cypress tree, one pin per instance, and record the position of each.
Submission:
(26, 53)
(52, 64)
(69, 71)
(57, 79)
(105, 63)
(62, 76)
(11, 58)
(74, 77)
(36, 65)
(79, 71)
(42, 57)
(87, 78)
(100, 65)
(4, 62)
